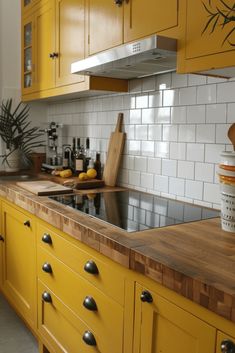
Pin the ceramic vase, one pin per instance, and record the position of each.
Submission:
(13, 162)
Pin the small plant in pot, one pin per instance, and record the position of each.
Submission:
(20, 139)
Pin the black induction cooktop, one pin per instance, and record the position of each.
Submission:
(134, 210)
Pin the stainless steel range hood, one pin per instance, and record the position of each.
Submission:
(149, 56)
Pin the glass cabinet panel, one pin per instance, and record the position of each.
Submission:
(27, 55)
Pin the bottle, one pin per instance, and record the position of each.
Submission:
(87, 152)
(73, 154)
(80, 161)
(66, 159)
(97, 166)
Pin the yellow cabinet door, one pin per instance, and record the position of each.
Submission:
(105, 25)
(163, 327)
(70, 18)
(45, 46)
(224, 340)
(19, 262)
(207, 43)
(1, 249)
(145, 18)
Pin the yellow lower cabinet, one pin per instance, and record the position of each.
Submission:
(163, 327)
(61, 330)
(19, 261)
(225, 343)
(1, 249)
(102, 314)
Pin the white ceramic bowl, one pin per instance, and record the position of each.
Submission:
(227, 158)
(228, 226)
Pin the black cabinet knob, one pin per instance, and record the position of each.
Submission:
(46, 238)
(90, 303)
(118, 2)
(146, 297)
(1, 238)
(46, 297)
(227, 346)
(27, 223)
(46, 267)
(91, 267)
(89, 338)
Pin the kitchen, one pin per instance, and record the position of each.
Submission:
(176, 126)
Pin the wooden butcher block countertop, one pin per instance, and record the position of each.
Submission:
(196, 260)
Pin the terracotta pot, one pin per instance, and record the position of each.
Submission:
(13, 162)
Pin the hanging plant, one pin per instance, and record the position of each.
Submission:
(220, 16)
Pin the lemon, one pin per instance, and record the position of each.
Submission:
(83, 176)
(91, 173)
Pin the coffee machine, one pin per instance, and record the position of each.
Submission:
(54, 146)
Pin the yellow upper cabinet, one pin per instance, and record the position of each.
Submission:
(110, 23)
(145, 18)
(209, 36)
(26, 5)
(105, 21)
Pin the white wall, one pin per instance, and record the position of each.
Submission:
(10, 60)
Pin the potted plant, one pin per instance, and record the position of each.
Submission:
(20, 139)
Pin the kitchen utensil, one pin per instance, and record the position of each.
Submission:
(44, 187)
(231, 135)
(116, 145)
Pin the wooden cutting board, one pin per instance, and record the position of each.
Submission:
(75, 183)
(44, 187)
(115, 149)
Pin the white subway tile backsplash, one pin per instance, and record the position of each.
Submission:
(147, 148)
(216, 113)
(226, 92)
(176, 127)
(206, 94)
(170, 132)
(196, 114)
(179, 80)
(162, 149)
(141, 132)
(178, 115)
(161, 183)
(194, 189)
(204, 172)
(155, 132)
(154, 165)
(196, 80)
(187, 133)
(212, 153)
(163, 115)
(211, 193)
(170, 97)
(187, 96)
(176, 186)
(177, 150)
(221, 133)
(169, 167)
(146, 180)
(205, 133)
(148, 116)
(195, 152)
(185, 170)
(140, 164)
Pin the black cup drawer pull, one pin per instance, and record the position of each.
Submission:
(89, 338)
(146, 296)
(46, 297)
(89, 303)
(227, 346)
(91, 267)
(46, 238)
(46, 267)
(27, 223)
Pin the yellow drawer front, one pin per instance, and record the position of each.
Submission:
(98, 310)
(61, 330)
(221, 338)
(108, 279)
